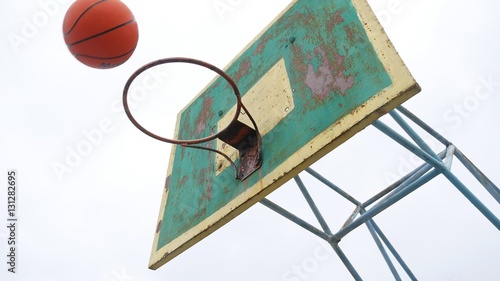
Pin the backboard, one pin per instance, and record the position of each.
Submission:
(318, 74)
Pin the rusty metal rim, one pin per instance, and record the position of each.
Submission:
(215, 69)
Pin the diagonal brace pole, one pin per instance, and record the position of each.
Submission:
(485, 181)
(440, 166)
(312, 205)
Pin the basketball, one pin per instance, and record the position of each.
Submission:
(100, 34)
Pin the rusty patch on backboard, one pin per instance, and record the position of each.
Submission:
(260, 46)
(335, 19)
(158, 227)
(350, 33)
(207, 195)
(343, 82)
(328, 77)
(201, 179)
(167, 183)
(203, 116)
(183, 181)
(245, 65)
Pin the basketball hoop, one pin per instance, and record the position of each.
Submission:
(238, 135)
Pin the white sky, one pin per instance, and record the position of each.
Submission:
(96, 222)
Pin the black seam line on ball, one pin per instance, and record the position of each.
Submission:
(108, 58)
(84, 12)
(102, 33)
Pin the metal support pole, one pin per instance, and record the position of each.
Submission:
(383, 251)
(393, 251)
(401, 183)
(485, 181)
(435, 164)
(439, 165)
(416, 138)
(346, 262)
(332, 186)
(385, 204)
(473, 199)
(413, 176)
(313, 206)
(423, 125)
(296, 219)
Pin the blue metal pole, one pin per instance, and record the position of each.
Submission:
(485, 181)
(393, 251)
(473, 199)
(408, 145)
(296, 219)
(332, 186)
(383, 251)
(423, 125)
(414, 177)
(312, 205)
(416, 138)
(398, 184)
(315, 231)
(346, 261)
(389, 188)
(353, 215)
(385, 204)
(439, 165)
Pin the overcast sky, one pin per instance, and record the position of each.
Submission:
(95, 219)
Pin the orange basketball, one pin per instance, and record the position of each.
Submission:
(100, 34)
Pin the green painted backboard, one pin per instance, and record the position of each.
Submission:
(318, 74)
